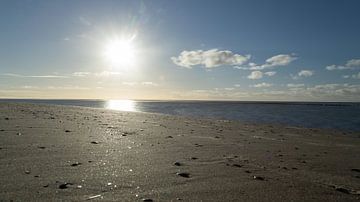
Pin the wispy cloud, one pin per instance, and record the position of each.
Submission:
(32, 76)
(270, 73)
(209, 59)
(298, 85)
(149, 83)
(350, 64)
(274, 61)
(144, 83)
(262, 85)
(95, 74)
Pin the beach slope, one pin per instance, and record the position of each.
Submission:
(62, 153)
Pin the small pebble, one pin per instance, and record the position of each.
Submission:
(67, 131)
(94, 142)
(147, 199)
(177, 164)
(355, 170)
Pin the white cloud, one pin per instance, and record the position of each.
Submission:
(350, 64)
(262, 85)
(210, 58)
(270, 73)
(259, 74)
(306, 73)
(353, 63)
(237, 85)
(280, 60)
(255, 75)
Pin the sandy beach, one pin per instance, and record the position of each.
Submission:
(62, 153)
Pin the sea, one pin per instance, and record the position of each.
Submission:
(343, 116)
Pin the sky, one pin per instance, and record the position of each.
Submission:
(246, 50)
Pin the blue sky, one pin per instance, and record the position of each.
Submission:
(218, 50)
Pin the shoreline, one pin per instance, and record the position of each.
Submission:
(74, 153)
(347, 131)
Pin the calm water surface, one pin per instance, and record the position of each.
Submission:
(343, 116)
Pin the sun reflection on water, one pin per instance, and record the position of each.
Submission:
(121, 105)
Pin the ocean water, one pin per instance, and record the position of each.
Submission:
(342, 116)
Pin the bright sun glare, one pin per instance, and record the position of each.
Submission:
(120, 53)
(121, 105)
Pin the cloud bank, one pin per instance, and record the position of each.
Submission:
(209, 59)
(350, 64)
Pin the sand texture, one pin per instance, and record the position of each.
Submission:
(58, 153)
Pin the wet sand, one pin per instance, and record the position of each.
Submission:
(62, 153)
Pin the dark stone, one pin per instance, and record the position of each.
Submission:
(259, 178)
(75, 164)
(147, 199)
(94, 142)
(355, 170)
(343, 190)
(67, 131)
(64, 186)
(177, 164)
(186, 175)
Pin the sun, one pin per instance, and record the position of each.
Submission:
(120, 53)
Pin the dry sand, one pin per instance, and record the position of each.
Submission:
(58, 153)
